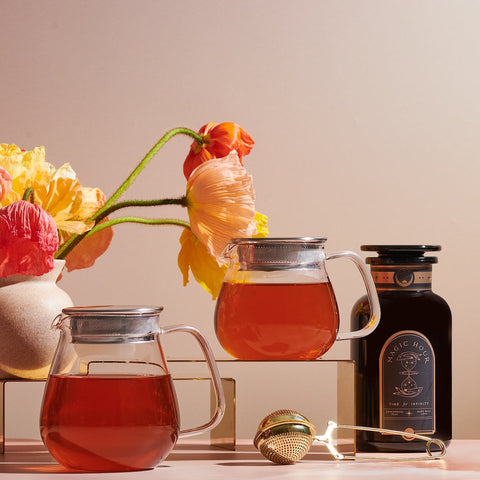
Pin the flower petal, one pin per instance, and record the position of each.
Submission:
(228, 136)
(221, 203)
(5, 183)
(218, 140)
(28, 169)
(89, 249)
(194, 256)
(59, 197)
(28, 240)
(261, 222)
(92, 199)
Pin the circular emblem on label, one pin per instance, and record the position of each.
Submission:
(404, 277)
(408, 438)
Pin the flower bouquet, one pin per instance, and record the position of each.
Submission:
(47, 214)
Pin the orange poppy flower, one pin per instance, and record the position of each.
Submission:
(89, 249)
(219, 139)
(28, 239)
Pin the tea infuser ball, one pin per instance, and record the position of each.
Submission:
(284, 436)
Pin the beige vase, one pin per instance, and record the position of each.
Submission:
(28, 306)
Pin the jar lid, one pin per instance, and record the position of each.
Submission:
(400, 254)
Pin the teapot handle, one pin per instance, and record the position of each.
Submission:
(371, 294)
(217, 385)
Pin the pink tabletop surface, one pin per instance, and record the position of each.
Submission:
(25, 460)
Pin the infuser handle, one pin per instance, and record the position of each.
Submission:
(371, 294)
(217, 384)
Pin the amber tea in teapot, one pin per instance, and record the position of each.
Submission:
(277, 303)
(85, 410)
(109, 403)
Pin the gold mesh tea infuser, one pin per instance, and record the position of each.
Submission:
(285, 436)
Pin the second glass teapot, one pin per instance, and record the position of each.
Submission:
(277, 303)
(109, 403)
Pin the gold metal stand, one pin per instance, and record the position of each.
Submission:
(254, 389)
(222, 436)
(275, 383)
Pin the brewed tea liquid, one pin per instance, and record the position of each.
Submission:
(267, 321)
(114, 423)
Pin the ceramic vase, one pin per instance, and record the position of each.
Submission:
(28, 305)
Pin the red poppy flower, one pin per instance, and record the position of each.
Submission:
(219, 139)
(28, 239)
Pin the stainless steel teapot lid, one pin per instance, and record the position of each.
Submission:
(115, 310)
(277, 253)
(112, 323)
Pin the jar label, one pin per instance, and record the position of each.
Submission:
(402, 278)
(407, 383)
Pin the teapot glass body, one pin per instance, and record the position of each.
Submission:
(109, 402)
(277, 303)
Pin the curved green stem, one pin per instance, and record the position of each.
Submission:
(143, 163)
(28, 195)
(142, 203)
(68, 246)
(146, 221)
(109, 206)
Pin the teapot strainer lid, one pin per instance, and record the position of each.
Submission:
(112, 324)
(276, 253)
(113, 310)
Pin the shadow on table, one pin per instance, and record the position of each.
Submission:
(31, 456)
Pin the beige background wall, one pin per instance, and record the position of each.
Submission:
(365, 114)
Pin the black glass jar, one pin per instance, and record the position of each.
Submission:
(404, 367)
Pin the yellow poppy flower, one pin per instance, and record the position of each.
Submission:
(5, 183)
(195, 257)
(70, 204)
(27, 169)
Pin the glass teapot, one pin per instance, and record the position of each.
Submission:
(277, 303)
(109, 401)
